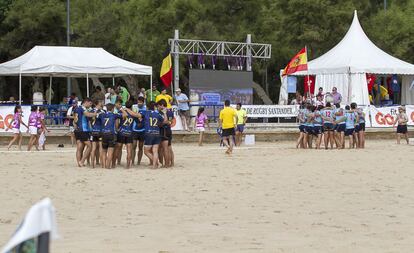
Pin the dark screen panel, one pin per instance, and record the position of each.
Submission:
(215, 86)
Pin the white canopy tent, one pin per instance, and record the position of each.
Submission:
(345, 67)
(55, 61)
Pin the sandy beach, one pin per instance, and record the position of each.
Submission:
(266, 198)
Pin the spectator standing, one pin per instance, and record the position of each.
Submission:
(71, 117)
(164, 96)
(108, 95)
(320, 92)
(142, 93)
(153, 96)
(72, 97)
(98, 95)
(337, 97)
(183, 108)
(123, 93)
(319, 101)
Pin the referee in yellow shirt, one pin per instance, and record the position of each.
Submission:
(228, 117)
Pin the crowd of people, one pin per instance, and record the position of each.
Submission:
(36, 127)
(101, 131)
(330, 125)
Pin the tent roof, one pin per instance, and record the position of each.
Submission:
(71, 61)
(356, 53)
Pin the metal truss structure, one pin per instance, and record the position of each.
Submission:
(246, 50)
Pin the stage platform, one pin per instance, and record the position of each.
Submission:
(263, 132)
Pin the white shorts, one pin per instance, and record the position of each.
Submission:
(33, 130)
(201, 129)
(71, 129)
(16, 130)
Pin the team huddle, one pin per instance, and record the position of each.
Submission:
(102, 131)
(331, 124)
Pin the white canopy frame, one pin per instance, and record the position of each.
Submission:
(56, 61)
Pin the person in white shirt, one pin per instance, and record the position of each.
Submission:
(108, 96)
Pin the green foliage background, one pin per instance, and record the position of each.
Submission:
(138, 30)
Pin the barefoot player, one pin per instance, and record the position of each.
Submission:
(227, 118)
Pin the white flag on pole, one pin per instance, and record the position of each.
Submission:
(34, 232)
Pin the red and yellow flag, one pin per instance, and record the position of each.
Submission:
(166, 71)
(298, 63)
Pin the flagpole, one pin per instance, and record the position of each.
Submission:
(307, 73)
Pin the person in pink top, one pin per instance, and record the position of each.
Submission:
(15, 126)
(33, 121)
(200, 121)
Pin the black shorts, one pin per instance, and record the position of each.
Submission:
(402, 129)
(349, 132)
(138, 136)
(317, 130)
(82, 136)
(340, 128)
(166, 135)
(328, 127)
(108, 141)
(124, 139)
(96, 137)
(152, 139)
(228, 132)
(362, 127)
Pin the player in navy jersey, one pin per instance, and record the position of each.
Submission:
(166, 153)
(152, 121)
(117, 152)
(327, 114)
(125, 133)
(138, 132)
(96, 138)
(82, 131)
(110, 122)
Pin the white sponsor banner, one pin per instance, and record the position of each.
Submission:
(271, 111)
(410, 113)
(7, 114)
(383, 116)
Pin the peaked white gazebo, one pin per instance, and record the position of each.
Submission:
(345, 67)
(56, 61)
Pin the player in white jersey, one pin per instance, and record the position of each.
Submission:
(328, 114)
(302, 121)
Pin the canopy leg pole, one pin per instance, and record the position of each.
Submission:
(113, 81)
(50, 91)
(150, 87)
(20, 88)
(87, 85)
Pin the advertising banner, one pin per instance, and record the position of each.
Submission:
(6, 116)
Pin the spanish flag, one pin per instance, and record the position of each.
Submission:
(166, 70)
(298, 63)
